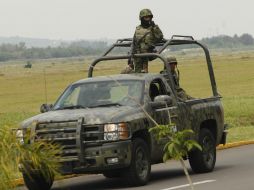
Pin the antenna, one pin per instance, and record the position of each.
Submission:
(45, 85)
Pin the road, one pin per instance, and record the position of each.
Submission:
(234, 171)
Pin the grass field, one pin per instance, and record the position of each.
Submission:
(22, 91)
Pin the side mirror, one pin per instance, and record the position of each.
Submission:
(161, 101)
(45, 108)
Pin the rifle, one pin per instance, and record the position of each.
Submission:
(131, 59)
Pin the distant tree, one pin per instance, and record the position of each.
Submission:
(21, 46)
(246, 39)
(224, 41)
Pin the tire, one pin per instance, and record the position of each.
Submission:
(38, 181)
(138, 173)
(204, 161)
(112, 173)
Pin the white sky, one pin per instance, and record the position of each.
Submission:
(98, 19)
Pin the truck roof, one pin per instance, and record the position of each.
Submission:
(134, 76)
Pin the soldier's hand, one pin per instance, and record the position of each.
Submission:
(163, 40)
(131, 65)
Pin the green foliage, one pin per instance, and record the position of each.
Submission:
(39, 155)
(178, 142)
(13, 152)
(163, 131)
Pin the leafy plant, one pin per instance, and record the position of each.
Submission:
(14, 153)
(177, 146)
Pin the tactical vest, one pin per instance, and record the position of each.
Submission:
(144, 39)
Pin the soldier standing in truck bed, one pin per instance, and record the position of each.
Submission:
(147, 34)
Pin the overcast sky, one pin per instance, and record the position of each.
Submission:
(99, 19)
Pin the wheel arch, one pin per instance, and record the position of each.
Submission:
(211, 125)
(143, 134)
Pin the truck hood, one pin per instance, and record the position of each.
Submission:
(99, 115)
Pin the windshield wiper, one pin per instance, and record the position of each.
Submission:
(71, 107)
(106, 105)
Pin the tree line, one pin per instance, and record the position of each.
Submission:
(79, 48)
(224, 41)
(85, 48)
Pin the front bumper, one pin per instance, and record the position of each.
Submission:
(95, 159)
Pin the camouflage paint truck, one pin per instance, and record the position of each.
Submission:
(102, 123)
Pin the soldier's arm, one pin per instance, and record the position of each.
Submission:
(157, 33)
(134, 42)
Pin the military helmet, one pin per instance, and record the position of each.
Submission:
(145, 12)
(171, 60)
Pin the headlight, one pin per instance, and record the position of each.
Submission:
(114, 132)
(23, 135)
(20, 135)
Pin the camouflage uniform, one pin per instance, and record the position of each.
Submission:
(175, 75)
(181, 94)
(145, 38)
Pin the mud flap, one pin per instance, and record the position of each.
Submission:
(224, 135)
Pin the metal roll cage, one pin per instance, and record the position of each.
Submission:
(175, 40)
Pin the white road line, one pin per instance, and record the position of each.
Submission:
(187, 185)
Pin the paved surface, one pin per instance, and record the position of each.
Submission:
(234, 171)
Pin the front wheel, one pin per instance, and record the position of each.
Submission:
(38, 181)
(204, 160)
(139, 171)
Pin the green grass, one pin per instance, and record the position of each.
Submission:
(14, 118)
(22, 91)
(240, 133)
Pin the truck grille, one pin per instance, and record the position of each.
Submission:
(73, 137)
(92, 134)
(61, 133)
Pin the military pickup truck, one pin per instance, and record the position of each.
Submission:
(103, 127)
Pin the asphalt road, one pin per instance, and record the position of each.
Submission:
(234, 171)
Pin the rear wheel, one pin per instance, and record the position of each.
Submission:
(204, 160)
(139, 171)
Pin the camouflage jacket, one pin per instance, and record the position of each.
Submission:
(145, 38)
(175, 76)
(176, 79)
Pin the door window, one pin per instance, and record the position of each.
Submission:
(156, 88)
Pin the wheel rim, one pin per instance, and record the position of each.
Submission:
(141, 163)
(208, 151)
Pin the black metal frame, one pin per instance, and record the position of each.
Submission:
(175, 40)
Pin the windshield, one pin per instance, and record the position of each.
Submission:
(105, 93)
